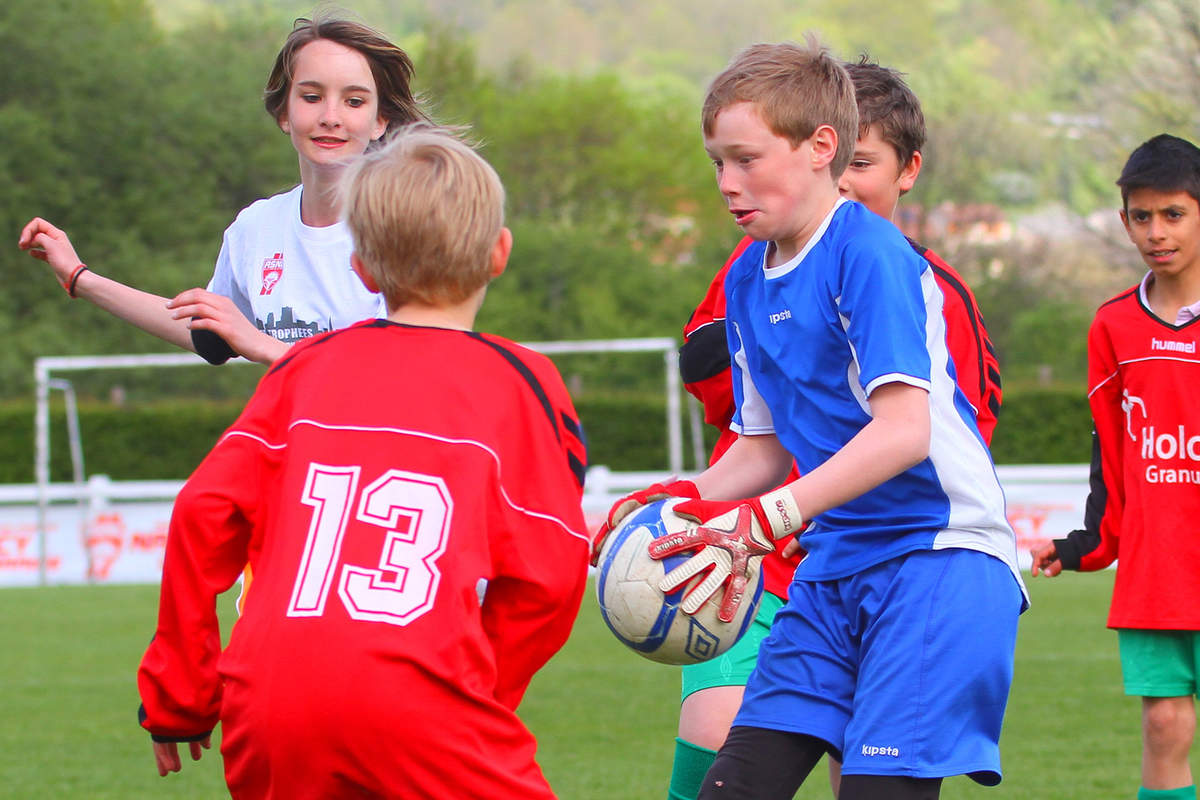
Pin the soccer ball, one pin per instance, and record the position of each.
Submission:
(645, 619)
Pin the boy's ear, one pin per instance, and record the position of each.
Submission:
(282, 122)
(360, 270)
(500, 252)
(824, 142)
(909, 172)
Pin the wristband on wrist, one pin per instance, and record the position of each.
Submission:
(782, 513)
(74, 279)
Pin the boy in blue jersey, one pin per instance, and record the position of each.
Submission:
(894, 650)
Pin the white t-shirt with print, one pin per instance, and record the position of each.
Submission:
(293, 281)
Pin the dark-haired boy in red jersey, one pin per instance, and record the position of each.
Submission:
(886, 162)
(1144, 507)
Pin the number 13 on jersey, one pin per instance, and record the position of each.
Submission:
(410, 550)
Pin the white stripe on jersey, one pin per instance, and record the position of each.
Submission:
(752, 418)
(959, 455)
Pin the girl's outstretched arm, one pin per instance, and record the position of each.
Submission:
(147, 311)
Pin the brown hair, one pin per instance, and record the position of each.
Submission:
(390, 66)
(884, 100)
(796, 89)
(425, 211)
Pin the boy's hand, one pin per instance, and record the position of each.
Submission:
(47, 243)
(166, 754)
(1045, 559)
(630, 503)
(728, 537)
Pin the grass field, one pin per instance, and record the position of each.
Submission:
(604, 717)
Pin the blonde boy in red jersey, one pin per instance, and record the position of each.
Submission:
(1143, 369)
(408, 493)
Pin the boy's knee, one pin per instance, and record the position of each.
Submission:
(1169, 720)
(761, 764)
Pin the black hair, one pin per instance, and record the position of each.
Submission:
(1165, 163)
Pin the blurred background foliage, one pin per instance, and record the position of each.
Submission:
(137, 125)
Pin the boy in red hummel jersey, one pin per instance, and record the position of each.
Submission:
(1143, 368)
(408, 494)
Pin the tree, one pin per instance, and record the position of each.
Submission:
(141, 144)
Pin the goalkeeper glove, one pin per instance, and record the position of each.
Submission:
(728, 537)
(630, 503)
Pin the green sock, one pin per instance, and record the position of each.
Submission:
(1184, 793)
(691, 764)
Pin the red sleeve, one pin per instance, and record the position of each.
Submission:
(541, 556)
(208, 543)
(704, 356)
(975, 361)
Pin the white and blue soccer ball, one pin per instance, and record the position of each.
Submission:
(649, 621)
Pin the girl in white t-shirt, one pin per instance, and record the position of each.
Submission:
(283, 272)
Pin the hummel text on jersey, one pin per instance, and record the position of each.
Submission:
(780, 316)
(1172, 346)
(872, 750)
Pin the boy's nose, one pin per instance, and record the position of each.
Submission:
(726, 183)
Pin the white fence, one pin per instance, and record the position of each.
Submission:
(106, 531)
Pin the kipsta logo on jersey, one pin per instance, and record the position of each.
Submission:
(272, 271)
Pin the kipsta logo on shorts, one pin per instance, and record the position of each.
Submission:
(887, 750)
(272, 271)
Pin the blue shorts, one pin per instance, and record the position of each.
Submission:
(903, 668)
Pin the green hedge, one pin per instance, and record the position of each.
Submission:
(141, 443)
(1043, 426)
(624, 432)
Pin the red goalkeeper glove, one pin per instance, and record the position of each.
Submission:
(729, 536)
(630, 503)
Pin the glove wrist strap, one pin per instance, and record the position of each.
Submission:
(782, 513)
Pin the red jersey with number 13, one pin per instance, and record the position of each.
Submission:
(409, 500)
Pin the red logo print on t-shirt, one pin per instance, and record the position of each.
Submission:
(272, 271)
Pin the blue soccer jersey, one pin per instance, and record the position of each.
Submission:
(857, 308)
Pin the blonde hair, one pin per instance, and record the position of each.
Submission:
(425, 211)
(796, 90)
